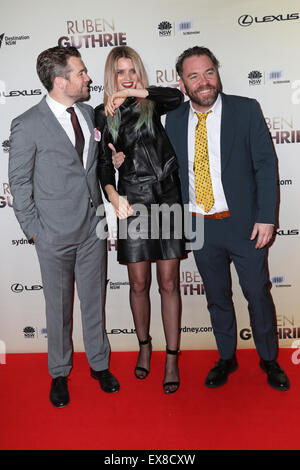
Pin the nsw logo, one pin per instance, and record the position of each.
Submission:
(165, 29)
(255, 77)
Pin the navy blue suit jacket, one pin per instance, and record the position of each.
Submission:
(248, 160)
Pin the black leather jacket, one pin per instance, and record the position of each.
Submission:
(148, 159)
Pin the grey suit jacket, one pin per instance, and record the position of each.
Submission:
(51, 189)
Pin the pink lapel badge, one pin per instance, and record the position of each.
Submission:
(97, 134)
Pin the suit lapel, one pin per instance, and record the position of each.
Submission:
(181, 139)
(227, 130)
(182, 143)
(53, 126)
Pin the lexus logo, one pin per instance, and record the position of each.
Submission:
(18, 288)
(245, 20)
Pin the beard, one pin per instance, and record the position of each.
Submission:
(196, 97)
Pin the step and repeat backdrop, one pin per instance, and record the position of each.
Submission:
(257, 45)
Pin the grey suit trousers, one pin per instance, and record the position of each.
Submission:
(59, 265)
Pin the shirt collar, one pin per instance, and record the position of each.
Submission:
(57, 108)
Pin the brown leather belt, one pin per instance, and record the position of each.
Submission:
(216, 215)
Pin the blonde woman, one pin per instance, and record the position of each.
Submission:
(130, 126)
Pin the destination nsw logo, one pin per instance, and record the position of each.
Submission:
(11, 40)
(92, 33)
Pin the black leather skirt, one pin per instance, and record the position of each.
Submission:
(155, 230)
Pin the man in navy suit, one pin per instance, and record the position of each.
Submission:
(240, 223)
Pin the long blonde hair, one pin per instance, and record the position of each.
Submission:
(110, 87)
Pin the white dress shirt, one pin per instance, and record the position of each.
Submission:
(64, 118)
(213, 126)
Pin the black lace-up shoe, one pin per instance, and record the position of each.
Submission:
(218, 375)
(59, 394)
(276, 376)
(107, 381)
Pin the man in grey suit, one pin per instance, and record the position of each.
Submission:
(53, 179)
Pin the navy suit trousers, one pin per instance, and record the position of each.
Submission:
(221, 247)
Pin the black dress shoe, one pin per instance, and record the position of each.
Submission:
(107, 381)
(218, 375)
(59, 394)
(276, 376)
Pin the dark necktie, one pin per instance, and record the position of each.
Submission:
(79, 137)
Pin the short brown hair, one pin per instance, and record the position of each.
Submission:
(53, 63)
(195, 51)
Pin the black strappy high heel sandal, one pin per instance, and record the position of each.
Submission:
(137, 369)
(175, 384)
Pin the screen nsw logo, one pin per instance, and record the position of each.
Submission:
(31, 332)
(167, 29)
(275, 77)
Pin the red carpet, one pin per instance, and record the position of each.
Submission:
(244, 414)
